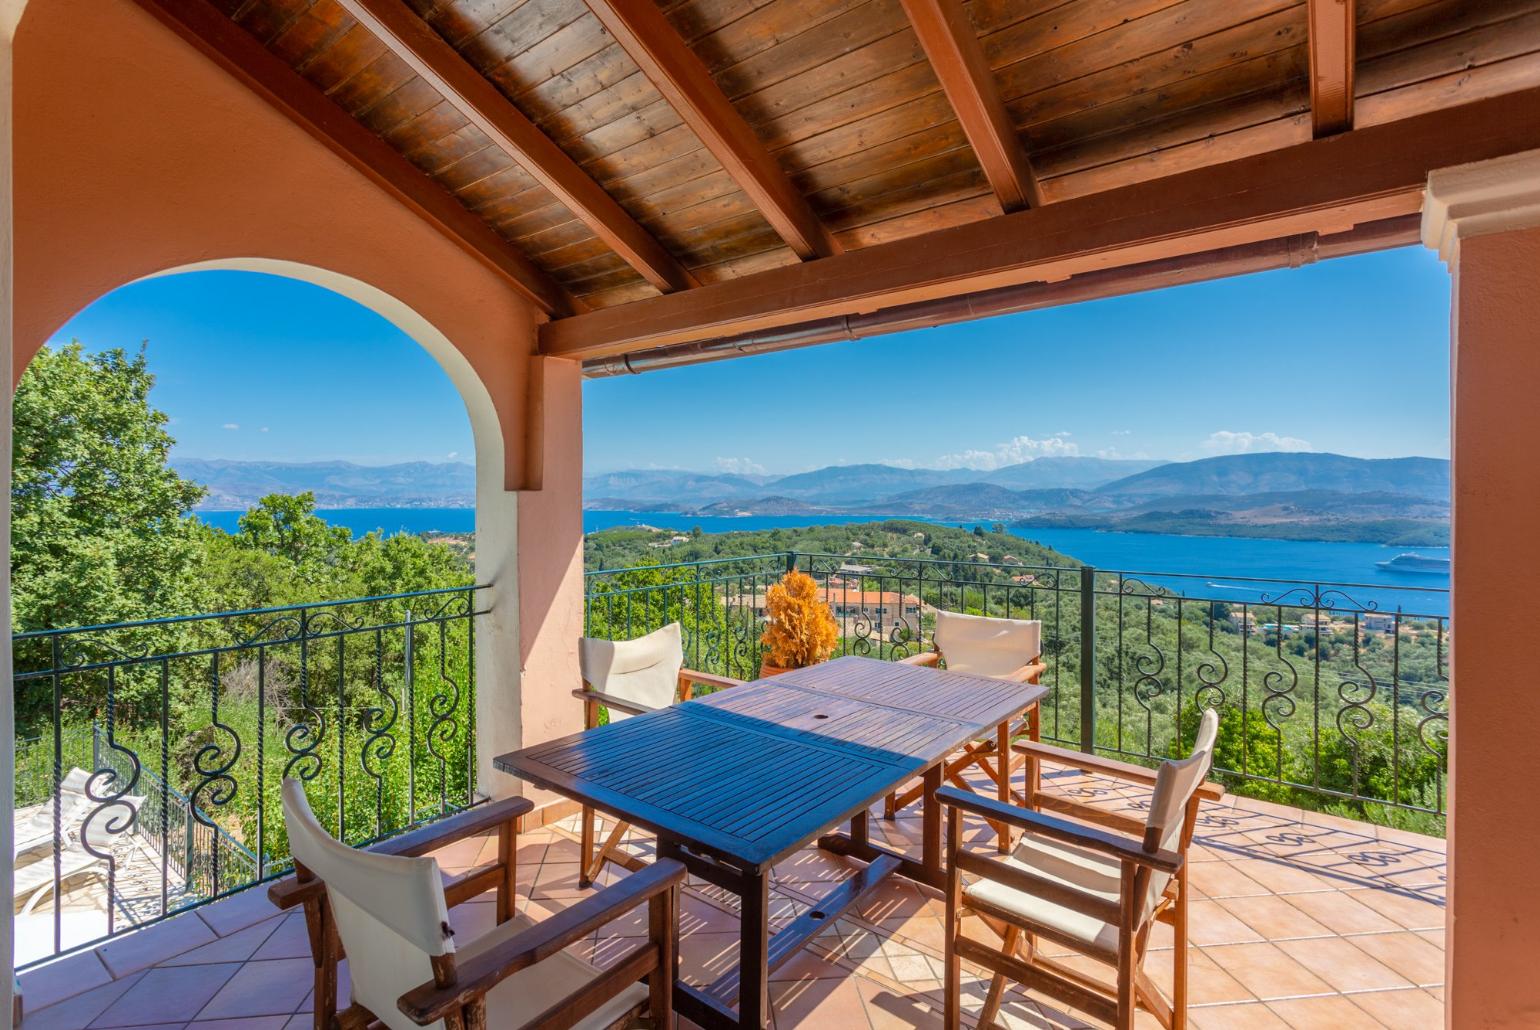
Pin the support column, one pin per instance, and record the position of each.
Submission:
(548, 602)
(10, 15)
(1484, 219)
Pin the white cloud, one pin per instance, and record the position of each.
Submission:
(232, 425)
(262, 430)
(1122, 432)
(1112, 453)
(740, 466)
(1227, 441)
(451, 456)
(1012, 452)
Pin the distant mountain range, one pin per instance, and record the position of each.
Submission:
(336, 484)
(1302, 495)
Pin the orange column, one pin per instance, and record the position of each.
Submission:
(1485, 220)
(550, 555)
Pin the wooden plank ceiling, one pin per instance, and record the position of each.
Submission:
(624, 162)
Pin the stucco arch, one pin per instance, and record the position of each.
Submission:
(152, 158)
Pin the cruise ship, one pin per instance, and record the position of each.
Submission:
(1416, 563)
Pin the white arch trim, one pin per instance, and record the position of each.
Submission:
(499, 717)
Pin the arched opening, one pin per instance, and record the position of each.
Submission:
(151, 743)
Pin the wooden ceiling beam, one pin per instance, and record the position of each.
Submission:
(1333, 25)
(417, 43)
(1324, 186)
(957, 57)
(668, 62)
(238, 53)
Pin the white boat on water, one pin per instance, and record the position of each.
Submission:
(1419, 563)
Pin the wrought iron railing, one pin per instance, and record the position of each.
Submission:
(1328, 692)
(184, 729)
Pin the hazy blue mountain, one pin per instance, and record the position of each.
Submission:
(976, 501)
(1055, 473)
(336, 484)
(692, 488)
(852, 484)
(1235, 474)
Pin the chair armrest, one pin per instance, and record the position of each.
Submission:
(611, 701)
(926, 658)
(1061, 829)
(1027, 673)
(289, 891)
(1208, 790)
(707, 679)
(517, 950)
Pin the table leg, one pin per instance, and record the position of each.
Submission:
(860, 828)
(1003, 788)
(754, 954)
(930, 825)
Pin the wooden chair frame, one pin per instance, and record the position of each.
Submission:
(457, 994)
(592, 700)
(1114, 834)
(304, 889)
(980, 752)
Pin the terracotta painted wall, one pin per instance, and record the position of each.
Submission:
(551, 560)
(134, 154)
(1494, 854)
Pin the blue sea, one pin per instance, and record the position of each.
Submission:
(1210, 562)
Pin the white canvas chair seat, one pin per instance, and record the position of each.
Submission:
(981, 645)
(995, 648)
(392, 917)
(524, 995)
(630, 677)
(1096, 888)
(1088, 873)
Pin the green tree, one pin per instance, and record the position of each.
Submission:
(98, 523)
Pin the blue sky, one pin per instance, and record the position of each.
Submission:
(1350, 355)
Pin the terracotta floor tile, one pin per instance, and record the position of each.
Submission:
(237, 947)
(238, 912)
(1281, 877)
(1209, 923)
(275, 987)
(1407, 954)
(80, 1010)
(289, 940)
(1341, 912)
(1266, 971)
(1207, 983)
(1224, 880)
(170, 994)
(1333, 1012)
(557, 880)
(1343, 966)
(1405, 908)
(896, 1010)
(45, 985)
(1246, 1016)
(1404, 1010)
(155, 943)
(247, 1023)
(817, 1004)
(1274, 918)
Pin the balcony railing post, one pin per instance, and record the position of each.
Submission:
(1088, 659)
(791, 560)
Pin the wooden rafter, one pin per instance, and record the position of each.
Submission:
(1332, 30)
(1324, 186)
(482, 104)
(957, 57)
(233, 49)
(647, 37)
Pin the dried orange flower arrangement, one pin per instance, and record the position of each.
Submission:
(801, 630)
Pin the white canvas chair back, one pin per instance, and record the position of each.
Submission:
(644, 671)
(983, 646)
(1175, 783)
(389, 910)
